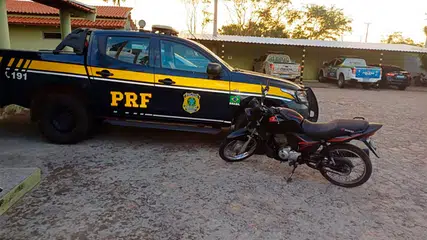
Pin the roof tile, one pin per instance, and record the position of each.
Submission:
(29, 7)
(41, 21)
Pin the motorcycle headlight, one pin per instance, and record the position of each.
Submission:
(300, 95)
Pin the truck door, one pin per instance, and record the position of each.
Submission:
(332, 69)
(187, 92)
(122, 76)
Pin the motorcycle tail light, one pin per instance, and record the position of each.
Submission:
(273, 119)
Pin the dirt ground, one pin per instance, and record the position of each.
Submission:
(129, 183)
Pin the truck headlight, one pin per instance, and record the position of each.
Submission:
(300, 95)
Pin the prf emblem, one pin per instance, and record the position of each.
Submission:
(191, 102)
(132, 100)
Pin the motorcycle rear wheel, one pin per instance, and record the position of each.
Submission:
(230, 144)
(343, 162)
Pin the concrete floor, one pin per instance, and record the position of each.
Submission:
(149, 184)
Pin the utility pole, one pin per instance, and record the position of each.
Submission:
(367, 31)
(215, 21)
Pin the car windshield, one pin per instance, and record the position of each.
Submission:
(355, 62)
(278, 58)
(214, 55)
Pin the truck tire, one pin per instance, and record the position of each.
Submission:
(64, 119)
(341, 81)
(321, 78)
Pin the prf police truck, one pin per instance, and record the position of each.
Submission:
(151, 79)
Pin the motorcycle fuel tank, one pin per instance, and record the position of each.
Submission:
(285, 120)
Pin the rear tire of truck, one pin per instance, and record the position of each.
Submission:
(341, 81)
(64, 119)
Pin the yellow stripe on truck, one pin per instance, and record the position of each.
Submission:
(125, 75)
(256, 88)
(58, 67)
(11, 62)
(19, 63)
(196, 82)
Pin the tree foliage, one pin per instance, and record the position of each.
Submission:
(257, 18)
(318, 22)
(398, 38)
(275, 18)
(115, 2)
(192, 11)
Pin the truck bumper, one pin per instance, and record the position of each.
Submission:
(365, 80)
(292, 77)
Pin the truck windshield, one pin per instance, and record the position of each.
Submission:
(355, 62)
(214, 55)
(278, 58)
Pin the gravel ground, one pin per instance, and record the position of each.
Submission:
(131, 183)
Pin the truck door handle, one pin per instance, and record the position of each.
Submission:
(105, 73)
(167, 81)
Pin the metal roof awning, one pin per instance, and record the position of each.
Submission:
(308, 43)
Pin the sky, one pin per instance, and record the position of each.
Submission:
(385, 17)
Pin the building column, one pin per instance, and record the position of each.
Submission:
(4, 27)
(301, 79)
(65, 18)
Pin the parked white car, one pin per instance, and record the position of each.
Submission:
(279, 65)
(350, 69)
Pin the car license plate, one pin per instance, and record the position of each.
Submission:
(400, 77)
(285, 76)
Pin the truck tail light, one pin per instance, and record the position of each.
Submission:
(272, 67)
(299, 68)
(353, 70)
(390, 74)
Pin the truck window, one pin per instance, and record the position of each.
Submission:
(178, 56)
(355, 62)
(339, 61)
(279, 58)
(129, 49)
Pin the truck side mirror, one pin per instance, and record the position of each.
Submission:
(325, 64)
(214, 70)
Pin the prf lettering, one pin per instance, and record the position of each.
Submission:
(132, 100)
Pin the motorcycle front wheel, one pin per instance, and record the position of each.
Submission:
(352, 166)
(236, 150)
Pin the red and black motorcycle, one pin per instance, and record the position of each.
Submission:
(283, 134)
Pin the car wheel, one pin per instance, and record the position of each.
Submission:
(402, 88)
(341, 81)
(64, 119)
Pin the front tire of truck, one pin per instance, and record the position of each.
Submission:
(64, 119)
(341, 81)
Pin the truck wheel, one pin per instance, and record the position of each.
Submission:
(320, 77)
(366, 86)
(402, 88)
(341, 81)
(64, 119)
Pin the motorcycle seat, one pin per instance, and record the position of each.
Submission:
(335, 128)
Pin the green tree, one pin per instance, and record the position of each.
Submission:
(398, 38)
(318, 22)
(257, 18)
(115, 2)
(192, 11)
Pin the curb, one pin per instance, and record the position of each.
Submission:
(16, 193)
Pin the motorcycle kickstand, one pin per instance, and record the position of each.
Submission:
(289, 179)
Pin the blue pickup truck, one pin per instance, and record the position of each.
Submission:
(144, 79)
(350, 69)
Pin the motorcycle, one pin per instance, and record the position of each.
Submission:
(420, 80)
(283, 134)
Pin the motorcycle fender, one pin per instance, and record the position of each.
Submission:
(239, 133)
